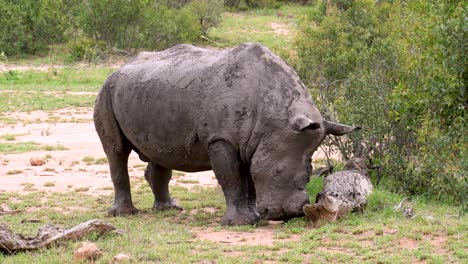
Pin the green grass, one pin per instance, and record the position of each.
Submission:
(91, 160)
(21, 147)
(59, 80)
(256, 26)
(10, 137)
(49, 184)
(170, 237)
(13, 172)
(35, 90)
(30, 101)
(57, 54)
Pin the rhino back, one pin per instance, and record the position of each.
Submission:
(156, 98)
(172, 104)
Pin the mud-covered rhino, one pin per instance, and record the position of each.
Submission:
(242, 112)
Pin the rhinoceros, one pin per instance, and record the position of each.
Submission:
(242, 112)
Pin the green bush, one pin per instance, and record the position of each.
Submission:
(398, 69)
(167, 26)
(148, 24)
(116, 22)
(207, 12)
(273, 4)
(29, 26)
(232, 3)
(86, 49)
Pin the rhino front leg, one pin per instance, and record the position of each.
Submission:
(158, 178)
(227, 168)
(252, 192)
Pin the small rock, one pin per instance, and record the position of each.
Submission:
(88, 251)
(37, 161)
(408, 212)
(430, 218)
(120, 258)
(207, 262)
(390, 231)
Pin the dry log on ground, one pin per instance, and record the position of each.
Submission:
(4, 210)
(49, 235)
(344, 191)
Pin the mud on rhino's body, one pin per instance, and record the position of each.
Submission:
(242, 112)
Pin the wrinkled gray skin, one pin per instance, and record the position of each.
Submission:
(242, 112)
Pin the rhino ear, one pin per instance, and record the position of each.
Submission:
(337, 129)
(302, 123)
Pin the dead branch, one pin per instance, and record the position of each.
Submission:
(4, 210)
(49, 235)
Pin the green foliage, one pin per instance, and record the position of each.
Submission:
(398, 70)
(167, 26)
(86, 49)
(263, 3)
(148, 24)
(116, 22)
(430, 99)
(207, 12)
(92, 26)
(232, 3)
(29, 26)
(314, 186)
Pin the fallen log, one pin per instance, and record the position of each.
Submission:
(343, 191)
(49, 235)
(4, 210)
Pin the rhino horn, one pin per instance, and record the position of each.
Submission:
(338, 129)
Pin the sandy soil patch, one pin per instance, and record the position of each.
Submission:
(259, 236)
(439, 243)
(407, 243)
(64, 115)
(280, 29)
(65, 170)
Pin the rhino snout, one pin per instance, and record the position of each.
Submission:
(290, 208)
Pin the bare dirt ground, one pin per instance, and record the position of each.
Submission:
(69, 169)
(280, 29)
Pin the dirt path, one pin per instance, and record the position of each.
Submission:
(72, 168)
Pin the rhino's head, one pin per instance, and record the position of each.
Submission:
(281, 164)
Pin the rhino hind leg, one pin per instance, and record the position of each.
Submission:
(117, 149)
(227, 167)
(158, 178)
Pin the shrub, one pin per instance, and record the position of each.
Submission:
(232, 3)
(263, 4)
(167, 26)
(131, 25)
(398, 70)
(116, 22)
(29, 26)
(207, 12)
(85, 49)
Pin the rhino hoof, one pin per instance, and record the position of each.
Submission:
(172, 205)
(122, 210)
(247, 218)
